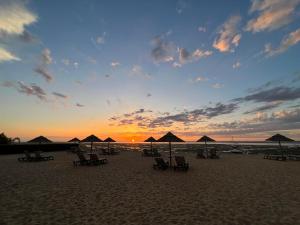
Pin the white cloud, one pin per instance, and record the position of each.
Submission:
(176, 65)
(14, 17)
(115, 64)
(199, 79)
(291, 39)
(137, 70)
(185, 56)
(66, 62)
(46, 56)
(101, 39)
(7, 56)
(229, 36)
(272, 14)
(76, 65)
(217, 85)
(236, 65)
(201, 29)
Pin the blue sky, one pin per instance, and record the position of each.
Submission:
(129, 69)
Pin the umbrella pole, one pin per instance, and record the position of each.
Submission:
(206, 150)
(91, 147)
(170, 154)
(280, 148)
(151, 148)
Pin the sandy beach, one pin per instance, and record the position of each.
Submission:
(237, 189)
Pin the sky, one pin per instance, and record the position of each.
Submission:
(133, 69)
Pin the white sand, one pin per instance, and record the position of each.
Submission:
(236, 189)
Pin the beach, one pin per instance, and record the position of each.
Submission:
(236, 189)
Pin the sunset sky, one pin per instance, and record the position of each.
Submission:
(133, 69)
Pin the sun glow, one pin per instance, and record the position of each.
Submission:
(132, 140)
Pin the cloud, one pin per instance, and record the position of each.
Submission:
(115, 64)
(176, 65)
(236, 65)
(42, 70)
(217, 85)
(272, 14)
(137, 70)
(46, 56)
(59, 95)
(30, 90)
(7, 56)
(143, 118)
(199, 79)
(202, 29)
(79, 105)
(101, 39)
(149, 95)
(66, 62)
(291, 39)
(275, 94)
(181, 5)
(163, 50)
(263, 108)
(229, 36)
(76, 65)
(185, 56)
(14, 17)
(27, 37)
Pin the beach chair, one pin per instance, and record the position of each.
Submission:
(95, 160)
(114, 151)
(105, 151)
(181, 164)
(160, 164)
(83, 161)
(156, 153)
(294, 157)
(27, 158)
(213, 154)
(200, 154)
(40, 157)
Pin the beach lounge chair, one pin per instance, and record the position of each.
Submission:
(160, 164)
(200, 154)
(181, 164)
(105, 151)
(213, 154)
(114, 151)
(40, 157)
(95, 160)
(27, 158)
(156, 153)
(294, 157)
(83, 161)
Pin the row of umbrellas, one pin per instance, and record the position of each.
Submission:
(169, 137)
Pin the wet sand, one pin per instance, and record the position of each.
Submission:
(236, 189)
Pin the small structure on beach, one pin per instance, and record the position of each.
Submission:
(92, 138)
(150, 139)
(169, 137)
(279, 138)
(206, 139)
(40, 140)
(76, 140)
(109, 140)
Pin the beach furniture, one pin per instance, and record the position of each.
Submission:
(82, 160)
(213, 154)
(40, 157)
(114, 151)
(95, 160)
(151, 153)
(160, 164)
(206, 139)
(294, 157)
(105, 151)
(275, 157)
(200, 154)
(27, 157)
(181, 164)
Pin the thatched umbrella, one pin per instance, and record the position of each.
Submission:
(150, 139)
(169, 137)
(40, 140)
(74, 140)
(92, 138)
(206, 139)
(279, 138)
(108, 140)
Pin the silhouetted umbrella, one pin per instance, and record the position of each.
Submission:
(40, 139)
(150, 139)
(92, 138)
(108, 140)
(206, 139)
(169, 137)
(279, 138)
(74, 140)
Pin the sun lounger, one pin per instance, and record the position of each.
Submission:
(95, 160)
(160, 164)
(105, 151)
(27, 158)
(40, 157)
(294, 157)
(83, 161)
(149, 153)
(213, 154)
(275, 157)
(200, 154)
(114, 151)
(181, 164)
